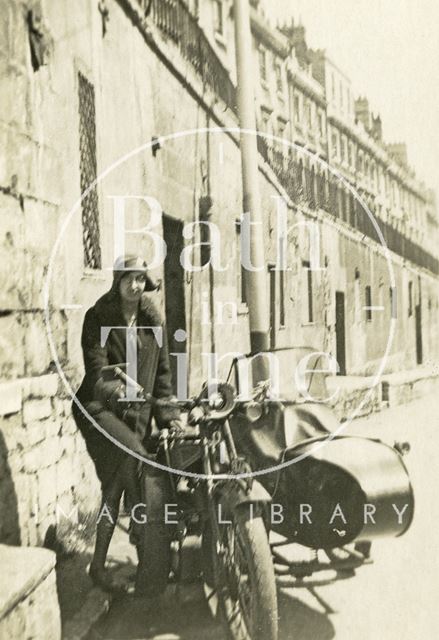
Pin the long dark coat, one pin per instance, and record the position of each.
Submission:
(153, 374)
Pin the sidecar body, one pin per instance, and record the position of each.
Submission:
(329, 488)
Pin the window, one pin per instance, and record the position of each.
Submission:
(387, 183)
(322, 183)
(309, 283)
(393, 194)
(218, 18)
(334, 140)
(281, 126)
(321, 123)
(265, 120)
(263, 63)
(272, 296)
(393, 303)
(380, 186)
(242, 286)
(342, 147)
(368, 306)
(282, 298)
(357, 297)
(278, 71)
(309, 113)
(296, 108)
(340, 201)
(87, 171)
(350, 154)
(240, 270)
(346, 204)
(410, 301)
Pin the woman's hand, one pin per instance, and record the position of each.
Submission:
(109, 393)
(176, 428)
(166, 411)
(105, 389)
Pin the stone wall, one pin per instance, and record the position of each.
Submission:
(48, 490)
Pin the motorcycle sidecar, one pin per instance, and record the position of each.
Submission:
(331, 489)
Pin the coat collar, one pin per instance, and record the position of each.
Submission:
(109, 313)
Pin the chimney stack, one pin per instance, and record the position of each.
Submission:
(318, 57)
(297, 38)
(377, 128)
(362, 113)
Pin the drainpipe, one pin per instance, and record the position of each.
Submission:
(255, 281)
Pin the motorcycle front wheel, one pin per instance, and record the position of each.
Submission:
(239, 573)
(153, 539)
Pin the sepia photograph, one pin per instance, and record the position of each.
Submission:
(219, 319)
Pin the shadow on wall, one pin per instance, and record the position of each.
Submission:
(9, 522)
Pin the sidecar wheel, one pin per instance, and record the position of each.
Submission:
(239, 567)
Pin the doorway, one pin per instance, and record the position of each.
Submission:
(340, 332)
(174, 290)
(272, 298)
(418, 328)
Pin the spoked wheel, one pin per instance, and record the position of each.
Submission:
(239, 569)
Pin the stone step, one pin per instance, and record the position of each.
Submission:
(28, 598)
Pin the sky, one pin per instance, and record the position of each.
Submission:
(390, 51)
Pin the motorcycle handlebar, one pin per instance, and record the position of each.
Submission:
(118, 372)
(226, 404)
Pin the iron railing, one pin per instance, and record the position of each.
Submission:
(318, 190)
(88, 172)
(177, 23)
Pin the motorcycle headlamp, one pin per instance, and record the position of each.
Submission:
(252, 411)
(219, 400)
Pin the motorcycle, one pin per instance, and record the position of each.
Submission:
(279, 495)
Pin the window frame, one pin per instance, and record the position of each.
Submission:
(368, 300)
(218, 18)
(262, 57)
(92, 264)
(306, 265)
(282, 313)
(279, 78)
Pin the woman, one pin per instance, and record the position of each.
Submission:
(125, 305)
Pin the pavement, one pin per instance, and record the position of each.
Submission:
(395, 598)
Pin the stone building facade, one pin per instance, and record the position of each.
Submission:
(140, 97)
